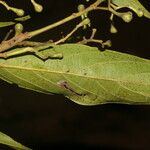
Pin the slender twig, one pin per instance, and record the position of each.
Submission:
(92, 40)
(5, 45)
(69, 18)
(81, 24)
(7, 35)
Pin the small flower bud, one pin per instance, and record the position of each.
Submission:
(140, 13)
(127, 17)
(113, 29)
(19, 12)
(37, 7)
(81, 7)
(18, 28)
(85, 22)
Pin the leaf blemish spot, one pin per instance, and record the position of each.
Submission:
(25, 61)
(68, 70)
(64, 84)
(85, 73)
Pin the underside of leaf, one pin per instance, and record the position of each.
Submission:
(85, 75)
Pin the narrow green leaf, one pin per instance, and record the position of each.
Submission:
(6, 140)
(24, 18)
(85, 75)
(5, 24)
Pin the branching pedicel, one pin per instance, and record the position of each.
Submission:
(22, 38)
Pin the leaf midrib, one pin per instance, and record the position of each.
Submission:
(67, 73)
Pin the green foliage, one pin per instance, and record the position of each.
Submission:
(81, 73)
(5, 24)
(85, 75)
(134, 5)
(5, 139)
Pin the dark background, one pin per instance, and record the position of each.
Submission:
(51, 121)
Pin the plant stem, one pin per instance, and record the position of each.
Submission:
(69, 18)
(5, 45)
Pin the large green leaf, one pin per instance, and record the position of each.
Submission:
(85, 75)
(5, 139)
(134, 5)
